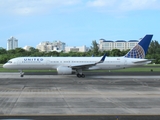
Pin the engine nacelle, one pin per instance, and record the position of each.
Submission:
(63, 70)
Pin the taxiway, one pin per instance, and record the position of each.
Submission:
(69, 95)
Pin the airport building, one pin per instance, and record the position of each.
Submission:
(51, 46)
(76, 49)
(12, 43)
(119, 44)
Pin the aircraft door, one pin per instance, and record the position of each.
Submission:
(47, 62)
(17, 62)
(125, 63)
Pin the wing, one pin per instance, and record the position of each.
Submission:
(85, 66)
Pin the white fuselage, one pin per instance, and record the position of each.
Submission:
(22, 63)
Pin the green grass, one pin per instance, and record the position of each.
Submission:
(146, 68)
(139, 69)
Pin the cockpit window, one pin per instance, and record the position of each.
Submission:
(9, 61)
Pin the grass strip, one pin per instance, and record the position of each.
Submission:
(146, 68)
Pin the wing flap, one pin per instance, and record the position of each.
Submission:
(83, 66)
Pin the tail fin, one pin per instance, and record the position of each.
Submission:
(140, 50)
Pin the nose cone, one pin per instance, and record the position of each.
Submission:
(4, 66)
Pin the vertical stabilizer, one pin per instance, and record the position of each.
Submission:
(140, 50)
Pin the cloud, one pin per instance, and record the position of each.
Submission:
(128, 5)
(101, 3)
(30, 7)
(124, 5)
(34, 7)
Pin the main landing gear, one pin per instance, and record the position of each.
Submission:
(21, 73)
(80, 75)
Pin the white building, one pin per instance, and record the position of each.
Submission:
(12, 43)
(119, 44)
(51, 46)
(76, 49)
(27, 48)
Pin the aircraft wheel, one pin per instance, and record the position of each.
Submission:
(83, 76)
(22, 75)
(78, 75)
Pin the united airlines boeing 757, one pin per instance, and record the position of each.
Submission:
(68, 65)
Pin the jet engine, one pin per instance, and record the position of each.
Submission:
(64, 70)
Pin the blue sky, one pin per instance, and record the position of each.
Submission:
(77, 22)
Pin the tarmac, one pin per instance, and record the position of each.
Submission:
(67, 95)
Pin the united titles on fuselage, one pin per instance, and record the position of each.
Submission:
(32, 60)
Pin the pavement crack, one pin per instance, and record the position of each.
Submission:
(17, 100)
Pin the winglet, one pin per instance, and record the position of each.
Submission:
(140, 50)
(102, 59)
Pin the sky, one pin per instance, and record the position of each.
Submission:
(77, 22)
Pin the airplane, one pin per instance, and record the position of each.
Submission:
(69, 65)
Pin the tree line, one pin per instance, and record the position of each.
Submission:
(153, 53)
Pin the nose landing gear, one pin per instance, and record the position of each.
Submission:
(21, 73)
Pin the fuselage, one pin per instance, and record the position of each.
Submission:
(22, 63)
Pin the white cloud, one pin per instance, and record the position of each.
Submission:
(128, 5)
(124, 5)
(32, 7)
(101, 3)
(29, 7)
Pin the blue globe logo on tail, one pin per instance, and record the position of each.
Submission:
(140, 50)
(136, 52)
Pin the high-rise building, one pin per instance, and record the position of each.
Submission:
(12, 43)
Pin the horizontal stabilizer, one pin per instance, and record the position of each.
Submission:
(142, 61)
